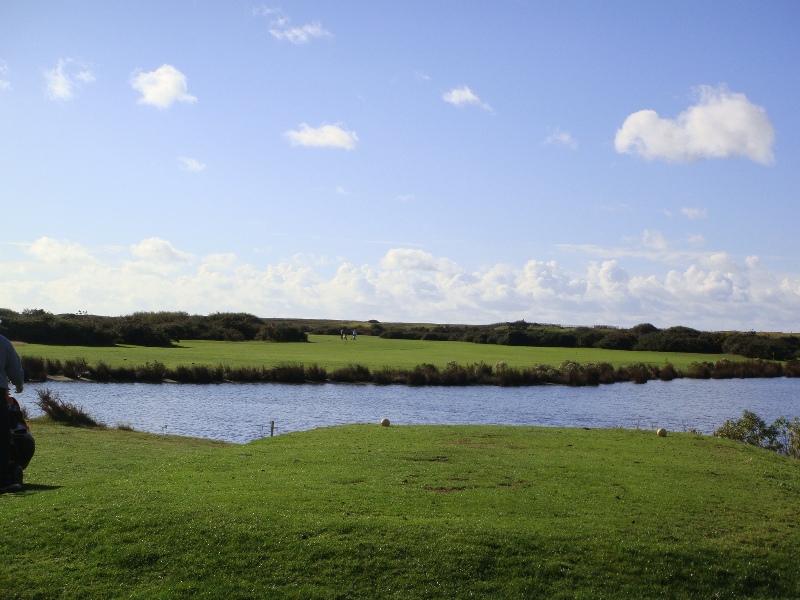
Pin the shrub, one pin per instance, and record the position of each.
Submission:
(281, 333)
(751, 429)
(789, 434)
(63, 412)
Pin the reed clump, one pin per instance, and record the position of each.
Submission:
(568, 373)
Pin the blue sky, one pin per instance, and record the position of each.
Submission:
(453, 162)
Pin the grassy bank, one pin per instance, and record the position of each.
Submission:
(330, 352)
(402, 512)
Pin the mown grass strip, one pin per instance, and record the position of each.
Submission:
(364, 511)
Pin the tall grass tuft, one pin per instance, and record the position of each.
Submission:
(76, 368)
(63, 412)
(151, 372)
(316, 373)
(351, 374)
(195, 374)
(288, 373)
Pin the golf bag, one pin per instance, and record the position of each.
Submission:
(22, 443)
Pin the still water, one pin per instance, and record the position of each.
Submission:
(243, 412)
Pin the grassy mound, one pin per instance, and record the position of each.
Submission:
(402, 512)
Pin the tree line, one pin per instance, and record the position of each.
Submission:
(36, 326)
(645, 337)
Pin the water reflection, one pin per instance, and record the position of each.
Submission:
(243, 412)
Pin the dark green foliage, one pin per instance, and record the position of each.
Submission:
(751, 429)
(63, 412)
(680, 339)
(39, 327)
(617, 340)
(281, 333)
(139, 329)
(782, 436)
(136, 332)
(587, 337)
(753, 345)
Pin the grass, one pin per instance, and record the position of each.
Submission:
(364, 511)
(375, 353)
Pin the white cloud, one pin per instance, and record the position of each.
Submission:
(409, 259)
(161, 88)
(721, 125)
(464, 96)
(654, 240)
(561, 137)
(695, 213)
(158, 250)
(190, 164)
(67, 76)
(712, 290)
(5, 84)
(298, 35)
(331, 136)
(58, 251)
(280, 28)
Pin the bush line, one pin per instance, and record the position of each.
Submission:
(453, 374)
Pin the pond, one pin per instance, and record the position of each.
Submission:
(243, 412)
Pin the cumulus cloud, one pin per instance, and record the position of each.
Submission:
(330, 136)
(410, 259)
(50, 250)
(67, 76)
(281, 29)
(463, 96)
(712, 291)
(721, 125)
(161, 88)
(190, 164)
(158, 250)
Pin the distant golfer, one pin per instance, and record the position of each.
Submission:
(354, 334)
(10, 372)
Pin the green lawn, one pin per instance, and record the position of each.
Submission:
(365, 511)
(373, 352)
